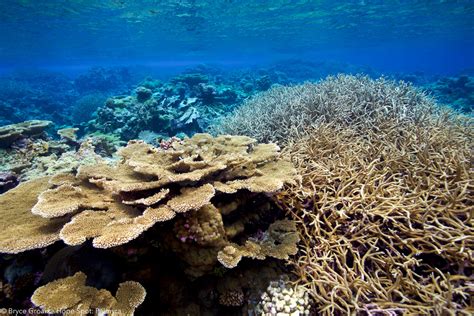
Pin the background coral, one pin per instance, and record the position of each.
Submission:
(284, 112)
(84, 107)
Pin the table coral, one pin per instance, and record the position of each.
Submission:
(279, 241)
(20, 229)
(71, 296)
(115, 204)
(10, 133)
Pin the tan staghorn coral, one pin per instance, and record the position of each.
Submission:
(114, 204)
(71, 296)
(384, 209)
(386, 218)
(20, 230)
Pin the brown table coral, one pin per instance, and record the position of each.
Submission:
(113, 205)
(71, 296)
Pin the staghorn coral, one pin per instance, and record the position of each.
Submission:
(113, 205)
(284, 112)
(71, 296)
(384, 211)
(385, 218)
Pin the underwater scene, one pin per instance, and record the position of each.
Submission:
(262, 158)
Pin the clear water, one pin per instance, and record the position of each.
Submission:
(434, 36)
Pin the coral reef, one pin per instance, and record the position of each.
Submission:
(379, 222)
(35, 94)
(186, 104)
(209, 193)
(457, 92)
(11, 133)
(33, 158)
(284, 112)
(85, 106)
(281, 298)
(102, 79)
(71, 296)
(115, 204)
(384, 210)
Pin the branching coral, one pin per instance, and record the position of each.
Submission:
(386, 218)
(115, 204)
(385, 208)
(71, 296)
(284, 112)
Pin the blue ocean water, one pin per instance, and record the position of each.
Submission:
(435, 36)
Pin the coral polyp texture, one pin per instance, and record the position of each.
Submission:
(71, 296)
(282, 298)
(384, 210)
(114, 204)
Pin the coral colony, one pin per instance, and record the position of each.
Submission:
(206, 195)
